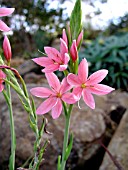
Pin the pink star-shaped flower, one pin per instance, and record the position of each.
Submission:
(55, 95)
(5, 12)
(2, 76)
(56, 60)
(85, 87)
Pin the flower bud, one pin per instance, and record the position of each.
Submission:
(64, 37)
(79, 39)
(73, 51)
(7, 48)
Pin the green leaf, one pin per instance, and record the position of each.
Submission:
(32, 125)
(59, 162)
(68, 150)
(75, 20)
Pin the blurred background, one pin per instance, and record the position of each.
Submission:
(39, 23)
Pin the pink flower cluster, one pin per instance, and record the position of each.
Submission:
(81, 84)
(6, 43)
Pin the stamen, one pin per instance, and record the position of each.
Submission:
(79, 105)
(83, 85)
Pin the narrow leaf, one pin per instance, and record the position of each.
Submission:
(75, 20)
(69, 148)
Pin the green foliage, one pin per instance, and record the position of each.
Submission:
(112, 54)
(75, 20)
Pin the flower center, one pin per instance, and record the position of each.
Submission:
(83, 85)
(59, 95)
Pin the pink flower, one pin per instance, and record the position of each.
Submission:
(7, 49)
(56, 60)
(2, 76)
(85, 86)
(55, 95)
(5, 12)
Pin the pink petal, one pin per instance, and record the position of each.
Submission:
(63, 49)
(66, 58)
(53, 54)
(97, 77)
(51, 68)
(46, 106)
(2, 75)
(100, 89)
(6, 11)
(73, 51)
(69, 98)
(62, 67)
(88, 99)
(41, 92)
(53, 81)
(77, 92)
(65, 86)
(64, 36)
(1, 87)
(7, 48)
(57, 109)
(73, 80)
(79, 39)
(43, 61)
(83, 70)
(3, 26)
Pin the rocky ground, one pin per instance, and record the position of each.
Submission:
(108, 124)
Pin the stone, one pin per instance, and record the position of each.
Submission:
(87, 125)
(118, 147)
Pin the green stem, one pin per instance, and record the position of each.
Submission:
(12, 128)
(66, 135)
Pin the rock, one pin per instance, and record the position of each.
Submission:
(27, 67)
(118, 147)
(87, 125)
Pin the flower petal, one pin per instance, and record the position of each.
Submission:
(73, 80)
(2, 75)
(64, 36)
(1, 87)
(51, 68)
(66, 58)
(62, 67)
(73, 51)
(57, 109)
(6, 11)
(97, 77)
(100, 89)
(83, 71)
(46, 106)
(3, 26)
(7, 48)
(53, 54)
(41, 92)
(65, 86)
(79, 39)
(63, 49)
(43, 61)
(69, 98)
(77, 92)
(53, 81)
(88, 99)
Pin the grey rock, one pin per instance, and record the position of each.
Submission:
(118, 147)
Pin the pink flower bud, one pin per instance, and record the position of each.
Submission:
(7, 48)
(64, 36)
(73, 51)
(79, 39)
